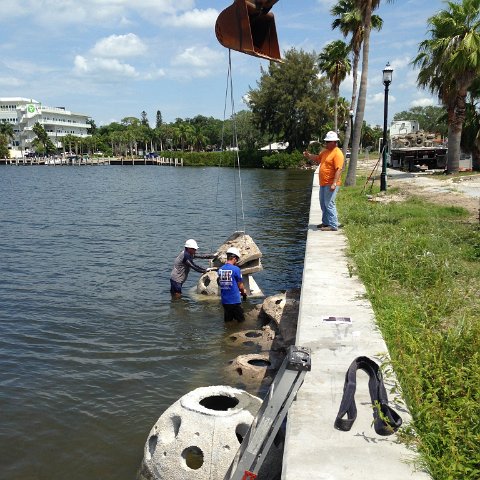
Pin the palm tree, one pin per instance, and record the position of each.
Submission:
(183, 132)
(452, 53)
(349, 21)
(6, 128)
(334, 62)
(199, 139)
(68, 140)
(366, 7)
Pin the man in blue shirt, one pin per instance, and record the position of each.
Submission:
(231, 287)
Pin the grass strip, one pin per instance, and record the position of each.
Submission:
(420, 264)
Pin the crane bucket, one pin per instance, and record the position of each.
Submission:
(248, 27)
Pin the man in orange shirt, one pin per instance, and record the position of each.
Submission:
(331, 163)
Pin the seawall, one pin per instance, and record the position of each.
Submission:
(314, 449)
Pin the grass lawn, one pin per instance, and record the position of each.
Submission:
(420, 263)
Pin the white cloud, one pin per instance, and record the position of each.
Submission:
(400, 63)
(154, 74)
(58, 13)
(197, 62)
(100, 66)
(11, 81)
(23, 67)
(129, 45)
(379, 98)
(197, 57)
(195, 19)
(423, 102)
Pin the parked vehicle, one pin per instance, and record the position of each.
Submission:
(413, 149)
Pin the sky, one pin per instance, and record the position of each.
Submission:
(111, 59)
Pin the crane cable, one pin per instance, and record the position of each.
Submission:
(236, 165)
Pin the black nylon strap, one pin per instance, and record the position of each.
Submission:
(385, 420)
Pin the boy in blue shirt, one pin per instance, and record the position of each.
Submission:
(231, 287)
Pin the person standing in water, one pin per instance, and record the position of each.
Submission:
(231, 287)
(181, 268)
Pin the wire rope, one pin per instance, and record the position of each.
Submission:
(234, 149)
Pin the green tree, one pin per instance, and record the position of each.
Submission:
(129, 121)
(158, 120)
(249, 137)
(144, 118)
(452, 56)
(471, 130)
(349, 21)
(4, 153)
(371, 136)
(67, 142)
(93, 127)
(366, 8)
(211, 128)
(42, 142)
(289, 101)
(198, 138)
(334, 62)
(183, 133)
(6, 129)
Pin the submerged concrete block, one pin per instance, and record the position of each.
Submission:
(282, 310)
(207, 285)
(198, 436)
(262, 339)
(254, 370)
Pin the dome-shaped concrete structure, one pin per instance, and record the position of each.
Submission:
(198, 436)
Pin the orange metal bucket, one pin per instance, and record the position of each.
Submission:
(248, 28)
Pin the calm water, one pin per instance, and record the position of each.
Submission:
(92, 350)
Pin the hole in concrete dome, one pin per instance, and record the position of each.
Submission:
(253, 334)
(193, 457)
(206, 282)
(152, 444)
(241, 431)
(259, 362)
(219, 402)
(249, 343)
(176, 422)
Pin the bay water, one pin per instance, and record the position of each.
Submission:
(92, 349)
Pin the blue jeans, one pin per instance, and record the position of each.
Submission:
(327, 204)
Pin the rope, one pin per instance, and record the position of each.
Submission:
(371, 177)
(236, 165)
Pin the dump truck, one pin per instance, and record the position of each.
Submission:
(413, 149)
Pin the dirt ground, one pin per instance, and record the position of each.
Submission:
(455, 190)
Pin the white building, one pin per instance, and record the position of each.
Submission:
(24, 113)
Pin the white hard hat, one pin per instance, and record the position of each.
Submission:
(191, 243)
(234, 251)
(331, 137)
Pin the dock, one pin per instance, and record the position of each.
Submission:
(91, 161)
(336, 321)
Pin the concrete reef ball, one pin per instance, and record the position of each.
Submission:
(198, 436)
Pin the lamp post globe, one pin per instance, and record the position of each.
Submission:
(387, 80)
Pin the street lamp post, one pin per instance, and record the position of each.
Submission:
(387, 80)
